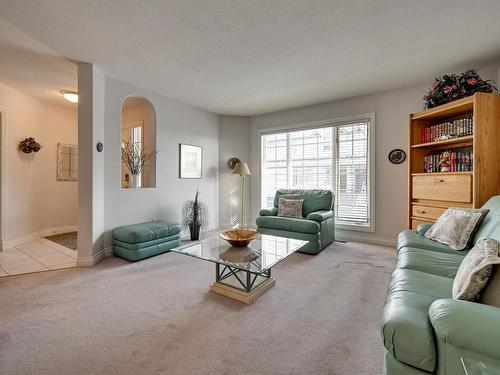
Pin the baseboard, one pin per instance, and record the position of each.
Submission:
(7, 244)
(93, 260)
(364, 237)
(108, 251)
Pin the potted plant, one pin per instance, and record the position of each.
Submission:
(135, 159)
(194, 216)
(456, 86)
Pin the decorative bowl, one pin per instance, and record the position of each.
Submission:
(239, 237)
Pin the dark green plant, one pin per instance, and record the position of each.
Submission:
(195, 212)
(456, 86)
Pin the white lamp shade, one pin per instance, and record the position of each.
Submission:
(241, 169)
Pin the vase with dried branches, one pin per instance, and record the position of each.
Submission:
(135, 159)
(194, 216)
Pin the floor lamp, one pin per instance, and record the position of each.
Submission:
(242, 170)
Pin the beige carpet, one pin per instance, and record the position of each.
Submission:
(157, 317)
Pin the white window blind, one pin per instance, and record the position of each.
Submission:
(352, 192)
(333, 157)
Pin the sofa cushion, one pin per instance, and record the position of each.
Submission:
(314, 199)
(428, 261)
(410, 238)
(406, 328)
(288, 224)
(146, 231)
(490, 227)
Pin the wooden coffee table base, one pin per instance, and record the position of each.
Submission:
(241, 295)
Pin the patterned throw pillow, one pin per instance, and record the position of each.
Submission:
(475, 270)
(290, 207)
(456, 227)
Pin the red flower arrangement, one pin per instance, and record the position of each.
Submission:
(456, 86)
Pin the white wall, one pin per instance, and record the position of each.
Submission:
(34, 200)
(234, 141)
(391, 111)
(175, 123)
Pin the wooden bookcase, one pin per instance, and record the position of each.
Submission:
(430, 194)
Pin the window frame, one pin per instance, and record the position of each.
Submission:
(333, 123)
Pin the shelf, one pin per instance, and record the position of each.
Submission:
(469, 189)
(467, 140)
(442, 173)
(454, 108)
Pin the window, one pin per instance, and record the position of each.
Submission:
(335, 156)
(342, 180)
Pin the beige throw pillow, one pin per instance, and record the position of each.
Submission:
(290, 207)
(475, 270)
(456, 227)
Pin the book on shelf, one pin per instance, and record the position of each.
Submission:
(447, 130)
(449, 161)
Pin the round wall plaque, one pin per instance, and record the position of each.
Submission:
(231, 163)
(397, 156)
(99, 146)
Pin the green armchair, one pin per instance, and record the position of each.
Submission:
(316, 226)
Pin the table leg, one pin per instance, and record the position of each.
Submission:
(241, 285)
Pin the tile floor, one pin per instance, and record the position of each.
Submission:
(35, 256)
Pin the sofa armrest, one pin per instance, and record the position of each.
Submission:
(320, 216)
(467, 325)
(269, 212)
(422, 228)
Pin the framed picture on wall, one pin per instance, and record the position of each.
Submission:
(190, 160)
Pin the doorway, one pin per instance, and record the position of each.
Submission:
(35, 204)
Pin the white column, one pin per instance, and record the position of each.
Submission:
(91, 89)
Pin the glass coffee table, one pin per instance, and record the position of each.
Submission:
(242, 273)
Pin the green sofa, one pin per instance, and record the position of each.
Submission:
(424, 330)
(317, 225)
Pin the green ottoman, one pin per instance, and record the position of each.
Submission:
(139, 241)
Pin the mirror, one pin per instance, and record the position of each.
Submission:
(138, 141)
(67, 162)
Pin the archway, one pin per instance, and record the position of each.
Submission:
(138, 136)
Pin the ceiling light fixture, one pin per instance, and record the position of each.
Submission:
(71, 96)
